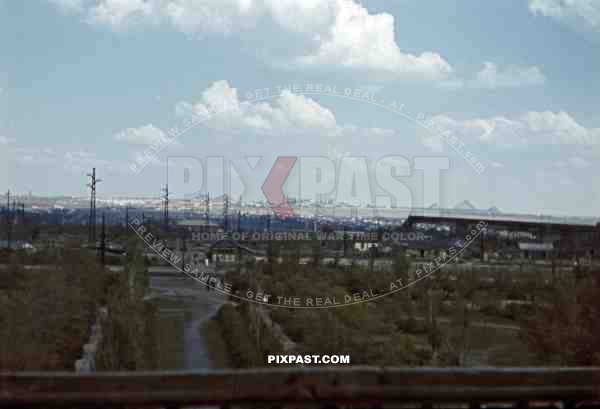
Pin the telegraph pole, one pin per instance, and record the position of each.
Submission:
(14, 212)
(225, 213)
(183, 250)
(268, 220)
(102, 249)
(207, 209)
(92, 217)
(8, 219)
(127, 220)
(165, 198)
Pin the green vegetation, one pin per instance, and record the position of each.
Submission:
(46, 313)
(448, 319)
(246, 340)
(129, 333)
(565, 327)
(371, 333)
(45, 316)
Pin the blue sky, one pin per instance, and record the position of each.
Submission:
(91, 82)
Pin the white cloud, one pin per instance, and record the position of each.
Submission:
(69, 5)
(367, 42)
(451, 83)
(561, 164)
(491, 76)
(299, 33)
(34, 156)
(572, 162)
(143, 135)
(288, 115)
(578, 162)
(565, 181)
(153, 161)
(79, 155)
(431, 142)
(120, 13)
(81, 162)
(78, 162)
(581, 14)
(285, 112)
(37, 156)
(560, 128)
(542, 128)
(84, 158)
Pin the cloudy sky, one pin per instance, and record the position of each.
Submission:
(94, 83)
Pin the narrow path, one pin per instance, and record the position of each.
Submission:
(194, 305)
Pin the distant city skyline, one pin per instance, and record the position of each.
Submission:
(464, 207)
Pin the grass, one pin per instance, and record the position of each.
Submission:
(45, 316)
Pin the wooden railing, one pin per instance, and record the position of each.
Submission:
(355, 387)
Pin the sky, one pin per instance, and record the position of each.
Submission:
(95, 83)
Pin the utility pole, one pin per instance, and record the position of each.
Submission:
(165, 198)
(8, 219)
(225, 213)
(92, 218)
(317, 206)
(183, 250)
(23, 212)
(344, 238)
(127, 220)
(102, 249)
(207, 209)
(14, 212)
